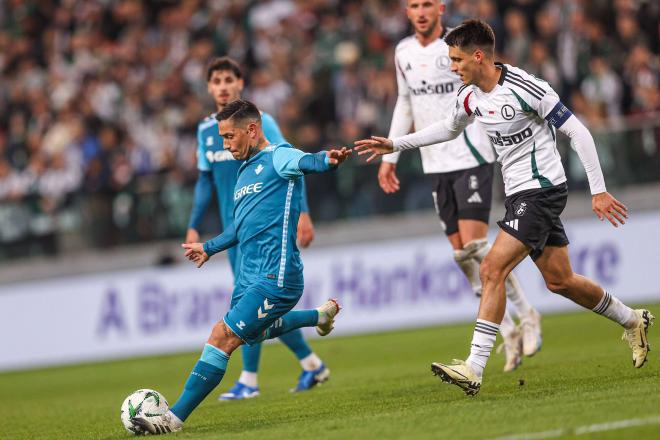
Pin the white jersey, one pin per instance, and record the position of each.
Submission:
(427, 90)
(520, 116)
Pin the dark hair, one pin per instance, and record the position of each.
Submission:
(239, 110)
(223, 63)
(471, 34)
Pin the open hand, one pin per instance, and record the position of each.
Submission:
(607, 207)
(375, 146)
(387, 179)
(195, 253)
(338, 156)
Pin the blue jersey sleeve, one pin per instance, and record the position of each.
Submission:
(304, 206)
(202, 198)
(203, 163)
(222, 242)
(291, 163)
(271, 129)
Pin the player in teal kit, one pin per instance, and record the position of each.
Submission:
(270, 283)
(218, 171)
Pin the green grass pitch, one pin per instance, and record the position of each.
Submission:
(381, 387)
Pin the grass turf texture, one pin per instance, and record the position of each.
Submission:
(381, 387)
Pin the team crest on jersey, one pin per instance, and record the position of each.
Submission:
(521, 209)
(209, 141)
(508, 112)
(442, 62)
(474, 182)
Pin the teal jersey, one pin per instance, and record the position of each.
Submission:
(267, 205)
(219, 171)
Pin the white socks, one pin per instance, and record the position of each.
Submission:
(470, 268)
(483, 341)
(515, 294)
(612, 308)
(248, 378)
(311, 362)
(507, 326)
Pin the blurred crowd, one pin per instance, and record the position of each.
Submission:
(100, 98)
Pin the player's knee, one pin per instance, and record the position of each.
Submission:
(557, 285)
(491, 271)
(223, 338)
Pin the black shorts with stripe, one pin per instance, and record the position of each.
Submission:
(532, 216)
(464, 195)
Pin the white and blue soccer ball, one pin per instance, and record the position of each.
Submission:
(144, 403)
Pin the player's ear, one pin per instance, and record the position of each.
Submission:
(478, 55)
(252, 130)
(241, 84)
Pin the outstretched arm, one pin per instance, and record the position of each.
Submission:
(200, 253)
(442, 131)
(291, 163)
(604, 205)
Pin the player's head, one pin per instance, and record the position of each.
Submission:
(239, 124)
(424, 15)
(224, 80)
(471, 48)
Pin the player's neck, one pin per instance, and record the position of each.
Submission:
(261, 144)
(489, 78)
(425, 40)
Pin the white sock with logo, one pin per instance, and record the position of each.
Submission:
(483, 340)
(611, 307)
(311, 362)
(248, 378)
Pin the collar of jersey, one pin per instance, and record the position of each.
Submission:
(268, 149)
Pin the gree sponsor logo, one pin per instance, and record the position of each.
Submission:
(248, 189)
(505, 141)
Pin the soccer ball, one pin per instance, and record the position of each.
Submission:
(143, 403)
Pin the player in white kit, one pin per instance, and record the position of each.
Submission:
(521, 114)
(463, 166)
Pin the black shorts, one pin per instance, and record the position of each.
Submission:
(532, 216)
(465, 195)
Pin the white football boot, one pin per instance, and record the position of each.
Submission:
(327, 312)
(458, 373)
(530, 326)
(637, 337)
(513, 349)
(156, 425)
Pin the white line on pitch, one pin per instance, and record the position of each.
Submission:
(587, 429)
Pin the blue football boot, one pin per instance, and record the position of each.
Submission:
(239, 392)
(308, 379)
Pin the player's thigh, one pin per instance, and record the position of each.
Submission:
(555, 266)
(445, 206)
(470, 230)
(505, 254)
(260, 305)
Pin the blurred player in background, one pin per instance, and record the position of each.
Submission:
(521, 114)
(218, 171)
(267, 199)
(463, 166)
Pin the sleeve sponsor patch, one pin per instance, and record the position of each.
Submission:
(558, 115)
